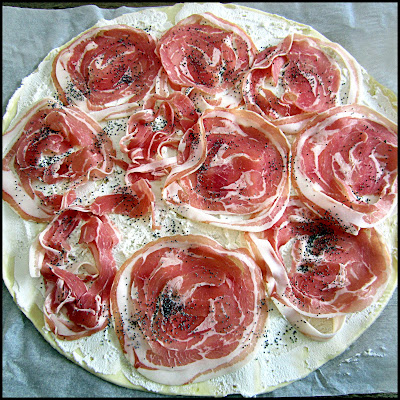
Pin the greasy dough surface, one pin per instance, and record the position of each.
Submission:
(203, 389)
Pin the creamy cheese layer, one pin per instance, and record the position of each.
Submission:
(286, 355)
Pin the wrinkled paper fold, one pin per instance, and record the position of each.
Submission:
(32, 368)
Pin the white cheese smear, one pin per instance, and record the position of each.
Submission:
(284, 355)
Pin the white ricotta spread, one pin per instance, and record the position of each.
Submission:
(285, 354)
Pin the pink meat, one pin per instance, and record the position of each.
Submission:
(186, 305)
(206, 52)
(310, 78)
(160, 125)
(345, 162)
(77, 294)
(233, 163)
(326, 271)
(52, 145)
(106, 66)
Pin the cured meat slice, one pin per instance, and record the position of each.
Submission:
(233, 171)
(134, 201)
(151, 132)
(301, 76)
(230, 99)
(316, 269)
(77, 292)
(345, 162)
(206, 52)
(52, 150)
(186, 309)
(106, 66)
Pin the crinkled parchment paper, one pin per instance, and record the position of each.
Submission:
(32, 368)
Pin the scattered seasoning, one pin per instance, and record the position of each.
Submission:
(169, 306)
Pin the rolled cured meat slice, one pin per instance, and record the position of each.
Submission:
(345, 163)
(154, 133)
(300, 77)
(52, 149)
(134, 201)
(106, 66)
(186, 309)
(315, 269)
(77, 284)
(206, 52)
(233, 171)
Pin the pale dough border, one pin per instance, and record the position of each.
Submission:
(204, 388)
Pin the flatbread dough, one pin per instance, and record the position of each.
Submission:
(303, 355)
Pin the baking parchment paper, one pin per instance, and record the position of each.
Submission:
(32, 368)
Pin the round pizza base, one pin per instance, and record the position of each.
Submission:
(250, 380)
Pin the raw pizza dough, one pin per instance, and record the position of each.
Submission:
(300, 356)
